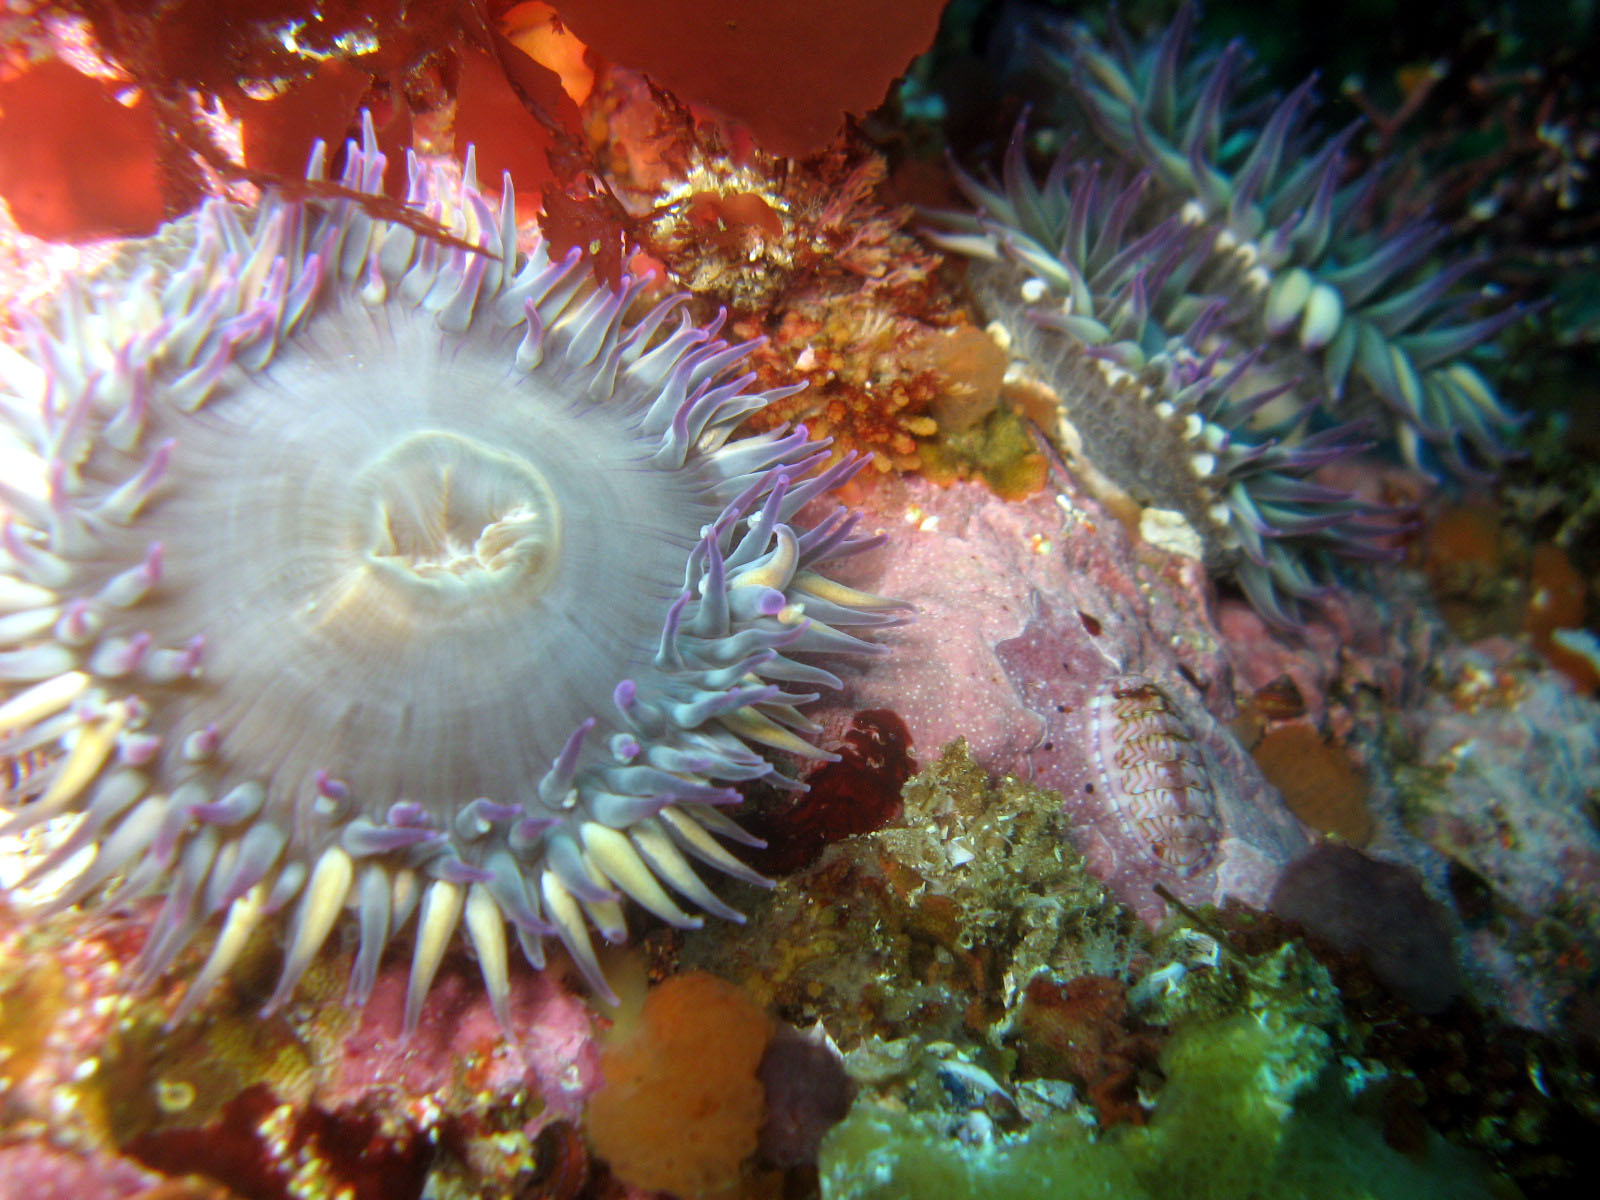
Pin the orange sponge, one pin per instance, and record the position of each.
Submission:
(681, 1105)
(1319, 782)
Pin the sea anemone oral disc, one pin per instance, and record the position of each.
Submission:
(346, 568)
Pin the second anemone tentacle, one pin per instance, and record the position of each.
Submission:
(1162, 401)
(1294, 240)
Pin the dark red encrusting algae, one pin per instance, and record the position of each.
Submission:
(857, 794)
(250, 1150)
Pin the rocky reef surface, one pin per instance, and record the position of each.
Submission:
(1118, 886)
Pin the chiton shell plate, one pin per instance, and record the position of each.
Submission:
(1153, 774)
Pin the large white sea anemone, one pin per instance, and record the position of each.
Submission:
(345, 568)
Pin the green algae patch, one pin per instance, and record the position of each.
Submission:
(1252, 1107)
(881, 1154)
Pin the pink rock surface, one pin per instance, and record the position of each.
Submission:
(459, 1048)
(1058, 666)
(1024, 610)
(39, 1171)
(1512, 756)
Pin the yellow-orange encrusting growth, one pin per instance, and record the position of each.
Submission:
(681, 1105)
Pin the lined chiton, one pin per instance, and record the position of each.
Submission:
(1153, 774)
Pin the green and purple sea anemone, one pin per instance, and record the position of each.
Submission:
(1220, 311)
(343, 568)
(1340, 278)
(1156, 397)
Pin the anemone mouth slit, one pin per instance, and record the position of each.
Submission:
(349, 570)
(449, 506)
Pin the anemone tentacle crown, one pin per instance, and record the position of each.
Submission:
(1159, 401)
(1216, 304)
(1358, 304)
(346, 568)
